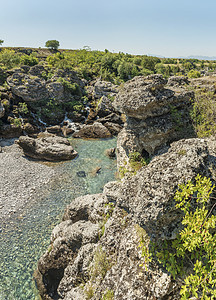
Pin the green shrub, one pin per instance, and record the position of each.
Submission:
(23, 108)
(101, 264)
(9, 59)
(194, 247)
(17, 122)
(108, 295)
(203, 113)
(28, 60)
(193, 74)
(73, 88)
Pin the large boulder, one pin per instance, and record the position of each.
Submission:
(28, 87)
(50, 147)
(32, 87)
(97, 130)
(97, 249)
(103, 88)
(156, 115)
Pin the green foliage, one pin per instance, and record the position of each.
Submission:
(89, 292)
(194, 74)
(55, 60)
(28, 60)
(23, 108)
(1, 42)
(52, 44)
(101, 264)
(109, 210)
(194, 247)
(73, 88)
(144, 247)
(149, 62)
(9, 59)
(136, 161)
(108, 295)
(203, 113)
(16, 122)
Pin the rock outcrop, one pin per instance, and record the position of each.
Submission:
(97, 130)
(156, 115)
(95, 250)
(51, 148)
(32, 87)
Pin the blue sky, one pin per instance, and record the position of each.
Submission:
(163, 27)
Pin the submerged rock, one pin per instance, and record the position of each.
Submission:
(81, 174)
(51, 148)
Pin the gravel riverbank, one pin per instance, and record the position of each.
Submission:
(20, 179)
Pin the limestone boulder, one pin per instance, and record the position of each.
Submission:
(97, 130)
(51, 148)
(28, 87)
(156, 114)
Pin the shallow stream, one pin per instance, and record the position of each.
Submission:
(26, 235)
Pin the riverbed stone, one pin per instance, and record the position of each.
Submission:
(97, 130)
(51, 148)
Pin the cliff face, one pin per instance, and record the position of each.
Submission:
(157, 113)
(96, 247)
(96, 252)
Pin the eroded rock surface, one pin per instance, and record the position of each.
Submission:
(156, 114)
(97, 130)
(52, 148)
(96, 247)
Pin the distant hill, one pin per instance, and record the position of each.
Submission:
(202, 57)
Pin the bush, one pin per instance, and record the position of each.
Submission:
(193, 74)
(28, 60)
(192, 254)
(23, 108)
(9, 59)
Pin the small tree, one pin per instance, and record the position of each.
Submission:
(1, 42)
(52, 44)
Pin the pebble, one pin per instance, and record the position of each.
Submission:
(20, 179)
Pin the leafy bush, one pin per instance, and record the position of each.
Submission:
(9, 59)
(193, 74)
(23, 108)
(16, 122)
(194, 247)
(28, 60)
(73, 88)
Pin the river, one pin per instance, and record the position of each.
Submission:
(26, 235)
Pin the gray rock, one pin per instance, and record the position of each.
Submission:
(51, 148)
(2, 110)
(28, 87)
(155, 115)
(104, 106)
(97, 130)
(142, 201)
(113, 128)
(104, 88)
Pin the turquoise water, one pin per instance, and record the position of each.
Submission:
(26, 236)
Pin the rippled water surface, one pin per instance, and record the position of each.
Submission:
(25, 237)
